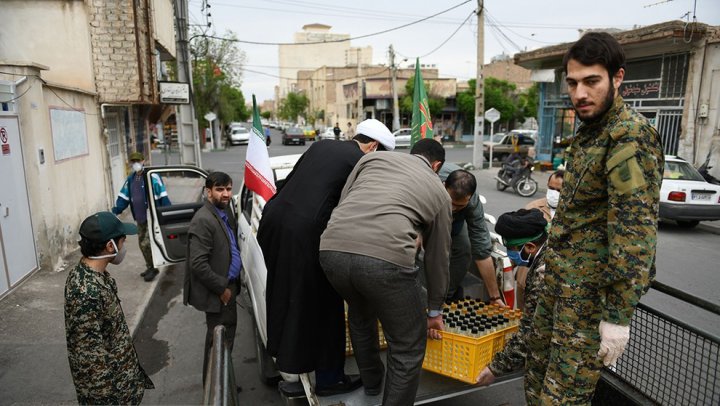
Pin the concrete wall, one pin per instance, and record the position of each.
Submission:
(61, 193)
(164, 24)
(702, 135)
(51, 33)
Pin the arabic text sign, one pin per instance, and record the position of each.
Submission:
(644, 89)
(174, 92)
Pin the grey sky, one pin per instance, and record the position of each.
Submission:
(526, 24)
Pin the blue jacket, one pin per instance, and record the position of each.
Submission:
(158, 190)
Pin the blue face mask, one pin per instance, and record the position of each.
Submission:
(516, 257)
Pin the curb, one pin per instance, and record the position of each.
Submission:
(709, 229)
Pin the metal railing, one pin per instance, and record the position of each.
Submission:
(668, 361)
(220, 388)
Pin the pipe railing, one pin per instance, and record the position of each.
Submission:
(220, 388)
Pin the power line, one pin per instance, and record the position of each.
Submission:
(343, 39)
(317, 80)
(472, 13)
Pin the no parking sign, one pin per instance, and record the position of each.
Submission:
(4, 141)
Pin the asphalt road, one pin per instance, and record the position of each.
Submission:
(170, 341)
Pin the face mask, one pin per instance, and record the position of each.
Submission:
(117, 257)
(553, 198)
(137, 167)
(516, 257)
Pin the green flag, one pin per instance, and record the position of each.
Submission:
(421, 121)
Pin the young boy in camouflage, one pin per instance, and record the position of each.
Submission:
(103, 361)
(601, 248)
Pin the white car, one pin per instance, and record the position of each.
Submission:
(329, 134)
(685, 196)
(402, 138)
(239, 135)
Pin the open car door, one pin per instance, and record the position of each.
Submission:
(175, 194)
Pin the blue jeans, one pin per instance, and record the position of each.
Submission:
(375, 289)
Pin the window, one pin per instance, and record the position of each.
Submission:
(681, 171)
(183, 187)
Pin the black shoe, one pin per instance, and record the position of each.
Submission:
(348, 384)
(150, 274)
(143, 273)
(373, 391)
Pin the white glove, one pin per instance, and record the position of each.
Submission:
(613, 339)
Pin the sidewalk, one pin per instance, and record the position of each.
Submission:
(33, 353)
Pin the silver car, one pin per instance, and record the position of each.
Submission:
(402, 138)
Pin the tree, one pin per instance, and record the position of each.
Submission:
(217, 76)
(293, 106)
(266, 114)
(503, 96)
(435, 103)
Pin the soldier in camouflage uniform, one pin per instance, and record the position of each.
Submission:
(601, 248)
(103, 361)
(524, 234)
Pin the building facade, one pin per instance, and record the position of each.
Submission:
(671, 78)
(313, 47)
(75, 97)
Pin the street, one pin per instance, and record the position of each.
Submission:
(170, 341)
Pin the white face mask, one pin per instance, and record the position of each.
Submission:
(137, 167)
(117, 257)
(553, 198)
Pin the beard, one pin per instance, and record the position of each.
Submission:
(606, 105)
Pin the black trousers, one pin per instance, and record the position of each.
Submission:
(228, 318)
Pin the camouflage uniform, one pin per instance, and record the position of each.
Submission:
(144, 243)
(513, 356)
(103, 361)
(601, 253)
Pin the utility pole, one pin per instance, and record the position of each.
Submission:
(187, 127)
(396, 106)
(479, 90)
(359, 89)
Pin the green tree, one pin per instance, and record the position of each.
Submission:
(503, 96)
(232, 105)
(217, 77)
(435, 103)
(266, 114)
(294, 105)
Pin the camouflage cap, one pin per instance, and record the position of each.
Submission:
(136, 156)
(104, 226)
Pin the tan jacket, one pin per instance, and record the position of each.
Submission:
(541, 204)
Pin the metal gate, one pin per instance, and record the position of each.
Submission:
(669, 128)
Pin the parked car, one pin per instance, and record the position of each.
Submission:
(685, 196)
(293, 135)
(309, 133)
(239, 135)
(402, 138)
(328, 134)
(504, 148)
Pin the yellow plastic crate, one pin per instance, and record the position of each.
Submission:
(462, 357)
(348, 343)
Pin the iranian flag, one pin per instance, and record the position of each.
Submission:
(421, 122)
(258, 175)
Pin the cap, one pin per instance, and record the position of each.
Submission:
(136, 156)
(104, 226)
(518, 227)
(377, 131)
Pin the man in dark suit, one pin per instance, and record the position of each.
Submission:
(306, 328)
(212, 272)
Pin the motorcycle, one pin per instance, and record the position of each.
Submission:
(516, 173)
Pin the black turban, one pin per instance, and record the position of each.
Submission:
(519, 227)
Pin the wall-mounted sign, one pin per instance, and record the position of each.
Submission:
(643, 89)
(174, 93)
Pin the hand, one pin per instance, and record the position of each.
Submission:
(486, 377)
(613, 339)
(435, 326)
(226, 296)
(498, 302)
